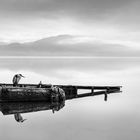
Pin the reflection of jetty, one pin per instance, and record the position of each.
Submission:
(44, 92)
(26, 107)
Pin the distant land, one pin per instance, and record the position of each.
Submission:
(65, 45)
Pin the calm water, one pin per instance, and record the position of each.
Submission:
(86, 118)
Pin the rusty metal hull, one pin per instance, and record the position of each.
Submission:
(13, 94)
(31, 92)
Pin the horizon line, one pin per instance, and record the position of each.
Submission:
(62, 57)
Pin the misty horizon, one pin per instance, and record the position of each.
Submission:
(68, 46)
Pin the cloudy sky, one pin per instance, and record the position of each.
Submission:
(108, 22)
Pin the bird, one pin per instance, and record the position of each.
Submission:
(16, 79)
(40, 84)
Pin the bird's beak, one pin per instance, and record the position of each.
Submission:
(23, 76)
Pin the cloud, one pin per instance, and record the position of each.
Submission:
(89, 10)
(62, 6)
(66, 45)
(110, 20)
(84, 11)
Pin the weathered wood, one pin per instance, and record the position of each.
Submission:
(31, 92)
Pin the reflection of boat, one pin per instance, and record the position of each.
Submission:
(26, 107)
(16, 108)
(44, 92)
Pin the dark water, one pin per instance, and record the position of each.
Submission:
(86, 118)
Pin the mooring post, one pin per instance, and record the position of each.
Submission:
(92, 90)
(105, 98)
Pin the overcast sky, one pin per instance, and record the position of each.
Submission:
(113, 21)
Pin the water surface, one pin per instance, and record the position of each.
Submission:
(86, 118)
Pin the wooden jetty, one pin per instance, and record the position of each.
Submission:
(44, 92)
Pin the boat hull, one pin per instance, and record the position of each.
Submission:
(30, 92)
(24, 94)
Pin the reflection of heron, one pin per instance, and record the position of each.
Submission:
(19, 118)
(16, 79)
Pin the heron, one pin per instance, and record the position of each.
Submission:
(16, 79)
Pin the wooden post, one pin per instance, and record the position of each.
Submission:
(105, 98)
(92, 90)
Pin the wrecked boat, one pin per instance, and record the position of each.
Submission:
(47, 92)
